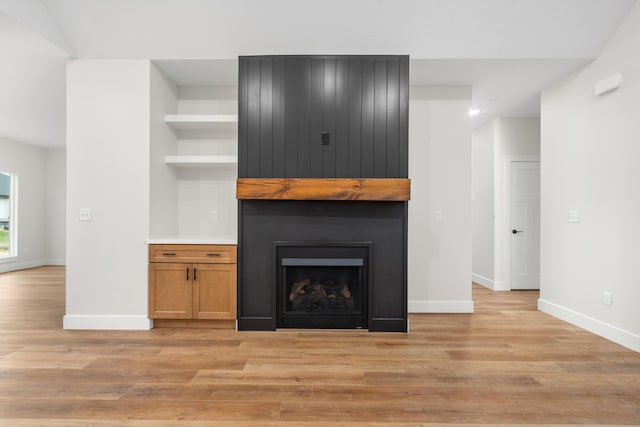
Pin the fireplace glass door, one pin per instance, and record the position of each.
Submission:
(322, 292)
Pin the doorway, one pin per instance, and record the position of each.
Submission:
(523, 210)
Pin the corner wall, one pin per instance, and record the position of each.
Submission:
(55, 197)
(590, 155)
(439, 259)
(108, 137)
(482, 171)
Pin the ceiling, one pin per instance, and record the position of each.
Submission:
(507, 50)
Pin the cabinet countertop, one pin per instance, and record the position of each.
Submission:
(191, 241)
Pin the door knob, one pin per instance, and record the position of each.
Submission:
(514, 231)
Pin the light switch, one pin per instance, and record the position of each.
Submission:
(85, 214)
(574, 216)
(214, 215)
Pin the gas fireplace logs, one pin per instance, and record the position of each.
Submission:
(306, 295)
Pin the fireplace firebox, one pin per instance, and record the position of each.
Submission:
(322, 285)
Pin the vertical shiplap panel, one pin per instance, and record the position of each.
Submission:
(380, 119)
(285, 102)
(366, 166)
(341, 138)
(393, 118)
(242, 117)
(253, 117)
(404, 118)
(355, 117)
(316, 113)
(329, 117)
(304, 119)
(278, 118)
(266, 118)
(292, 100)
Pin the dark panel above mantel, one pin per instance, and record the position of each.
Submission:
(359, 103)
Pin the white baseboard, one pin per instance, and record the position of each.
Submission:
(501, 285)
(481, 280)
(417, 306)
(83, 321)
(9, 265)
(610, 332)
(20, 265)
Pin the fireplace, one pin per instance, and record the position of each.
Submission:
(323, 190)
(275, 235)
(322, 285)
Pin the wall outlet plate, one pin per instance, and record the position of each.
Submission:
(607, 298)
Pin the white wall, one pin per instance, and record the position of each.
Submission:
(590, 152)
(164, 181)
(440, 172)
(28, 163)
(108, 143)
(55, 196)
(482, 170)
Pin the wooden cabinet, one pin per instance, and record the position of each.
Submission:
(192, 282)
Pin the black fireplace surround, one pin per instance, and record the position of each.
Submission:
(271, 230)
(322, 262)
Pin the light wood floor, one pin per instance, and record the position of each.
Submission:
(506, 364)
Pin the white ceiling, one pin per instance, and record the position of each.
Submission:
(507, 50)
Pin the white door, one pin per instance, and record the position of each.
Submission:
(524, 234)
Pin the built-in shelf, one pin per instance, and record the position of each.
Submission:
(200, 161)
(200, 121)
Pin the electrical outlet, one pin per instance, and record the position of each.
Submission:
(607, 298)
(438, 216)
(214, 215)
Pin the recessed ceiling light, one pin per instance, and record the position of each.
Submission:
(473, 112)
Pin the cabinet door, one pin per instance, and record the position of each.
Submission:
(170, 291)
(214, 291)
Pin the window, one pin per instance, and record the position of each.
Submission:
(7, 214)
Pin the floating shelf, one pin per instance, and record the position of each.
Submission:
(200, 161)
(200, 121)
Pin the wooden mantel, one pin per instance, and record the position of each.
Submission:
(362, 189)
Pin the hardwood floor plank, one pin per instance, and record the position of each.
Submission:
(139, 410)
(277, 377)
(82, 376)
(167, 362)
(231, 392)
